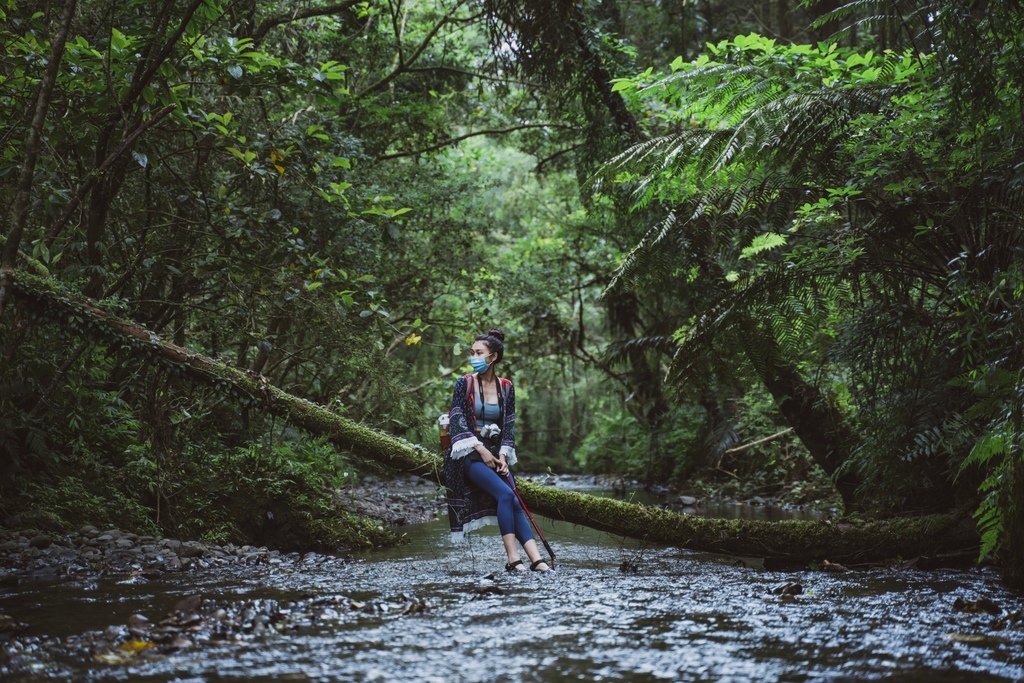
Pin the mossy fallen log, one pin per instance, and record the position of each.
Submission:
(794, 541)
(786, 542)
(373, 448)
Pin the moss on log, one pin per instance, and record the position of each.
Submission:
(795, 541)
(373, 448)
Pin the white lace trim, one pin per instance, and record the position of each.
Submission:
(473, 526)
(462, 448)
(510, 455)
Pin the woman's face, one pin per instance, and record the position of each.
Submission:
(480, 349)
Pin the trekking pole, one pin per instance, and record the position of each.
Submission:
(547, 546)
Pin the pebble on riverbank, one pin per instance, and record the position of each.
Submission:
(31, 555)
(194, 622)
(112, 551)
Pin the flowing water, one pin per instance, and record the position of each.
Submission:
(680, 616)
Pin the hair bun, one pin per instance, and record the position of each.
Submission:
(497, 334)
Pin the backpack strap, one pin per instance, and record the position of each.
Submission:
(506, 386)
(471, 399)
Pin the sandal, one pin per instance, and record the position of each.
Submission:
(511, 566)
(533, 567)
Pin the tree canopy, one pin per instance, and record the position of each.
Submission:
(700, 224)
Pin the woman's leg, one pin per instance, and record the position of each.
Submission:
(512, 523)
(488, 480)
(533, 553)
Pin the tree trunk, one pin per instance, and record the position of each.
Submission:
(1013, 546)
(813, 417)
(33, 143)
(790, 541)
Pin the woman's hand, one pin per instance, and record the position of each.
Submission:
(502, 466)
(487, 458)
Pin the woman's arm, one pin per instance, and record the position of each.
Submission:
(463, 439)
(508, 430)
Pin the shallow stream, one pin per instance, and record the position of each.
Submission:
(680, 616)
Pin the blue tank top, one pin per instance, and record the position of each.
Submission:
(486, 413)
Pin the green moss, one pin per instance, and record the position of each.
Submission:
(798, 541)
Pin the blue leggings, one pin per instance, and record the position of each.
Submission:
(510, 513)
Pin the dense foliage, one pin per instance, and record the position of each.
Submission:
(696, 237)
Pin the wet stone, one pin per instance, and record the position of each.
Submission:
(65, 554)
(191, 549)
(40, 541)
(44, 572)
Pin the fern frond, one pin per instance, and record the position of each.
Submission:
(620, 353)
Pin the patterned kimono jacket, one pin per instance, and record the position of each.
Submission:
(469, 507)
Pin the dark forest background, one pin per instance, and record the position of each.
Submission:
(702, 225)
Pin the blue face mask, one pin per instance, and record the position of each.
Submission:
(479, 364)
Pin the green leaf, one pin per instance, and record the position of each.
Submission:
(621, 84)
(768, 240)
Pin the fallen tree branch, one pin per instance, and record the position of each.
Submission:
(305, 13)
(740, 449)
(460, 138)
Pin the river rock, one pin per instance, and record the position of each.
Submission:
(687, 501)
(191, 549)
(139, 626)
(45, 572)
(180, 643)
(40, 541)
(980, 605)
(9, 625)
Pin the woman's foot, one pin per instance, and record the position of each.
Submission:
(540, 566)
(515, 566)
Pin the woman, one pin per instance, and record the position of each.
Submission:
(477, 463)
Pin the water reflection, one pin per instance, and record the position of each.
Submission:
(681, 617)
